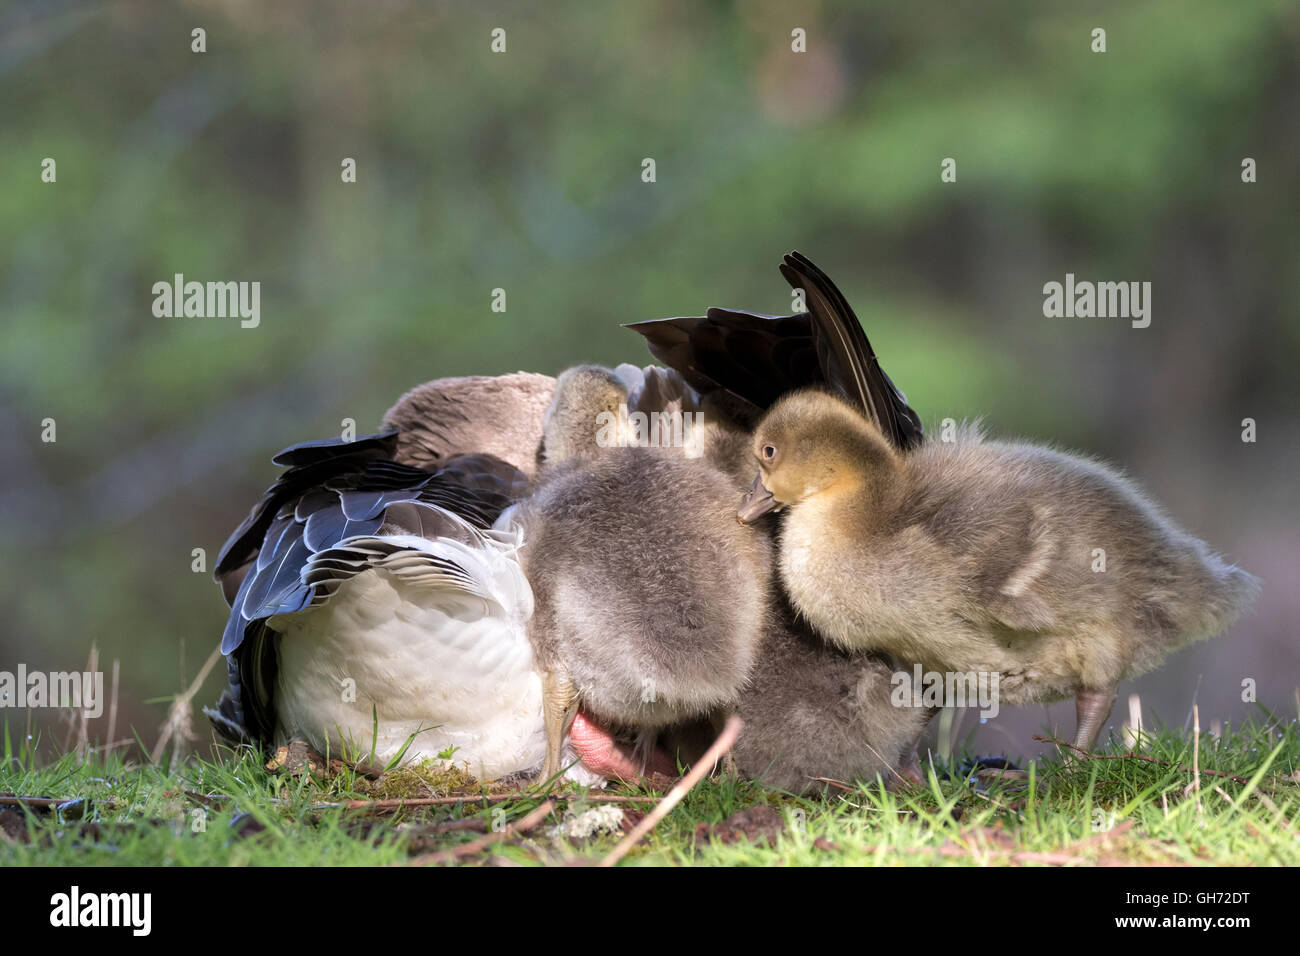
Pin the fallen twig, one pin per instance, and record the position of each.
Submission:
(39, 803)
(529, 821)
(698, 772)
(400, 803)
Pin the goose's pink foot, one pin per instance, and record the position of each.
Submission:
(609, 757)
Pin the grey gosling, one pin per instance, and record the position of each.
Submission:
(651, 600)
(983, 556)
(813, 712)
(650, 597)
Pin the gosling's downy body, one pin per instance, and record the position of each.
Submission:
(595, 409)
(1048, 569)
(726, 369)
(651, 599)
(813, 710)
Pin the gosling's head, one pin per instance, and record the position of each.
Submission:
(587, 398)
(811, 443)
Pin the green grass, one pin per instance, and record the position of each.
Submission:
(1065, 812)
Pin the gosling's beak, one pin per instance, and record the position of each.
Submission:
(757, 502)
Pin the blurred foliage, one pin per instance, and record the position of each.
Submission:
(522, 171)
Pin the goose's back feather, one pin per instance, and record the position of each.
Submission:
(499, 415)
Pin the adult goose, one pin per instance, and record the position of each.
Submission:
(375, 580)
(378, 605)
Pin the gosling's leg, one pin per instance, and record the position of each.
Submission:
(1091, 708)
(559, 707)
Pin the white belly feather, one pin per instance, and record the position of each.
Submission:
(463, 677)
(428, 649)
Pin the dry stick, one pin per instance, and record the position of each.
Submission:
(112, 709)
(180, 710)
(1143, 757)
(451, 826)
(1279, 817)
(1196, 755)
(400, 803)
(11, 800)
(214, 802)
(684, 786)
(483, 842)
(1134, 733)
(83, 731)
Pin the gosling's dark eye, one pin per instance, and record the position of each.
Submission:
(769, 452)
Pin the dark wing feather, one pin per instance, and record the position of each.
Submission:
(311, 464)
(758, 358)
(485, 473)
(755, 358)
(382, 443)
(846, 357)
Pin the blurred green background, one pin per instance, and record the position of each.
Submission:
(522, 171)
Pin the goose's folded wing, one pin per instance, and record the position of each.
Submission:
(434, 564)
(846, 357)
(310, 464)
(334, 493)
